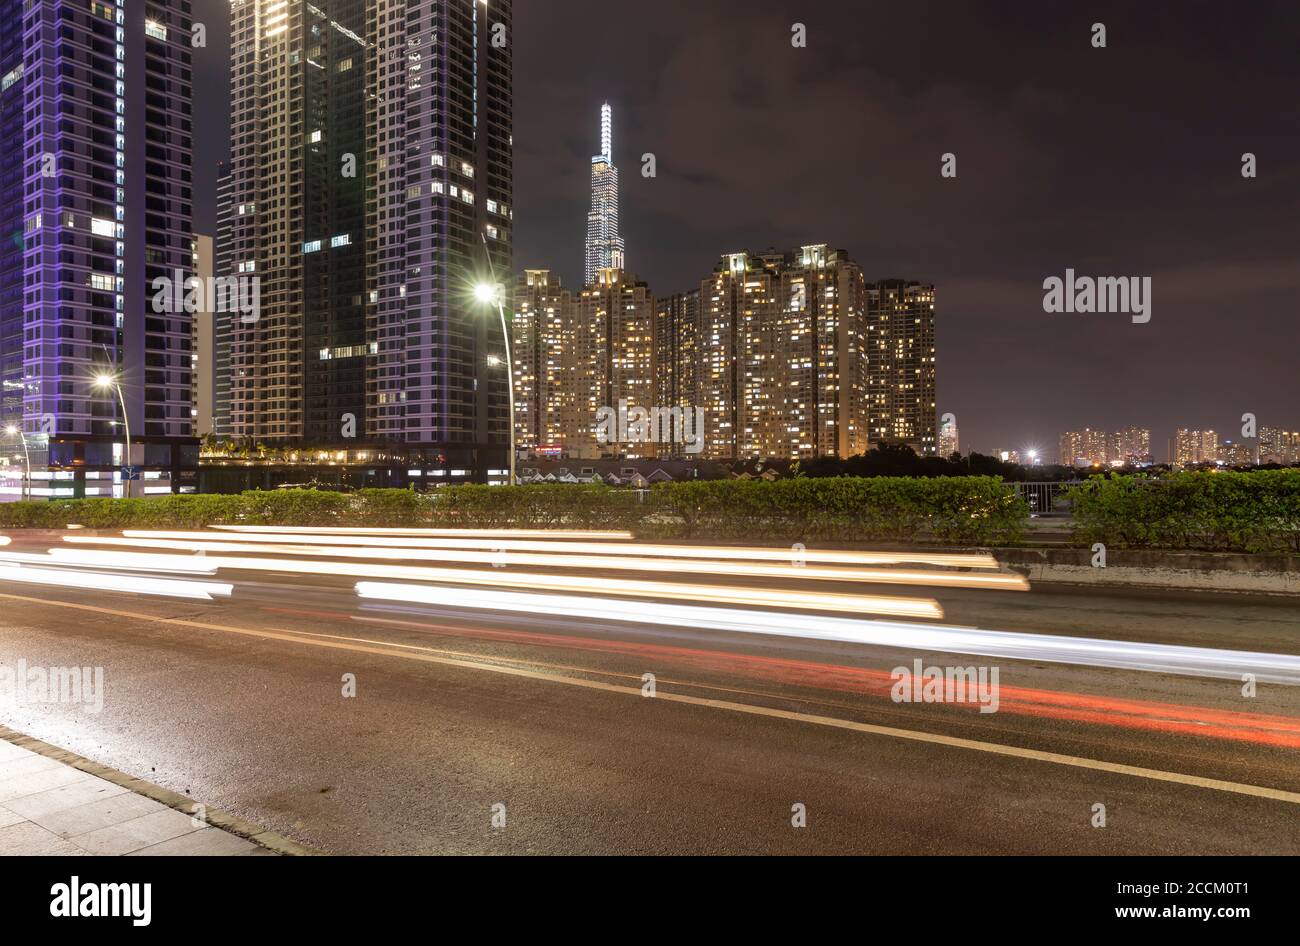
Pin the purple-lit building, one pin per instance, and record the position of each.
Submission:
(95, 205)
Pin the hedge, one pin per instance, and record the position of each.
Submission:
(1222, 511)
(968, 510)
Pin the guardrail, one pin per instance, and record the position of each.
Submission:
(1047, 499)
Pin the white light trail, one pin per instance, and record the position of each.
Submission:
(1154, 658)
(639, 550)
(126, 561)
(758, 597)
(429, 533)
(103, 581)
(998, 581)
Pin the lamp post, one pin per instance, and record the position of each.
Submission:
(107, 381)
(493, 292)
(26, 491)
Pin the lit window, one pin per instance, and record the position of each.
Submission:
(311, 247)
(156, 30)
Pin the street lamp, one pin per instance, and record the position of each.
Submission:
(26, 491)
(489, 292)
(108, 381)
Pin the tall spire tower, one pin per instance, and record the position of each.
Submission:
(604, 243)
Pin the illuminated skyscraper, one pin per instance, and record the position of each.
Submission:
(901, 354)
(616, 350)
(1130, 447)
(1085, 447)
(95, 204)
(1195, 446)
(781, 366)
(949, 439)
(1277, 445)
(551, 383)
(604, 244)
(371, 192)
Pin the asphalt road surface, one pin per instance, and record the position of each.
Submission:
(482, 730)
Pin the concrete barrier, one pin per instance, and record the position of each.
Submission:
(1207, 571)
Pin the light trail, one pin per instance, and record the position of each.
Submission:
(997, 581)
(103, 581)
(1124, 655)
(434, 533)
(710, 552)
(126, 561)
(1186, 720)
(758, 597)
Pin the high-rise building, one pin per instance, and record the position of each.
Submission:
(298, 101)
(371, 191)
(949, 439)
(604, 242)
(1192, 447)
(95, 112)
(679, 361)
(678, 334)
(778, 355)
(550, 396)
(901, 364)
(615, 345)
(1085, 447)
(1130, 447)
(440, 204)
(1234, 453)
(1279, 446)
(738, 304)
(774, 348)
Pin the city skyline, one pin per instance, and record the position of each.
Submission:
(1045, 179)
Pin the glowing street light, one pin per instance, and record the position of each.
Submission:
(26, 491)
(105, 380)
(488, 293)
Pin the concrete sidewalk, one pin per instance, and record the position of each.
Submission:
(50, 807)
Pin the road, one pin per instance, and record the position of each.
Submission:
(240, 703)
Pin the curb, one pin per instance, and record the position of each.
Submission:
(182, 803)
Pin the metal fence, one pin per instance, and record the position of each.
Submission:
(1047, 499)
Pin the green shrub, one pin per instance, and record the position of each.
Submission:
(967, 510)
(1224, 511)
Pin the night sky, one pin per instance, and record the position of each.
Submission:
(1123, 161)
